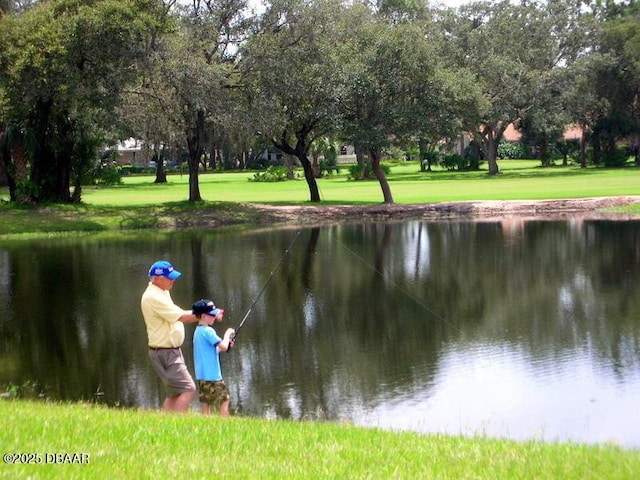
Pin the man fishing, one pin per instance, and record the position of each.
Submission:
(165, 330)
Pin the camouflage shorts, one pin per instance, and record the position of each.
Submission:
(213, 393)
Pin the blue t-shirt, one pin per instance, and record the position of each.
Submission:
(205, 354)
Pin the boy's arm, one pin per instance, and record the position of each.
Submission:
(227, 341)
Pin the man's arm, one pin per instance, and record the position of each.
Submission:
(187, 317)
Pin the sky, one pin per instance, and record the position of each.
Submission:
(452, 3)
(446, 3)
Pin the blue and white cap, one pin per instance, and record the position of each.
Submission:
(205, 306)
(162, 268)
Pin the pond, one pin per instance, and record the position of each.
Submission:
(522, 329)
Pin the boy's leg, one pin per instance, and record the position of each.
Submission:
(205, 388)
(224, 408)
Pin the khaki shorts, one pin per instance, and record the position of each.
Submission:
(170, 367)
(213, 393)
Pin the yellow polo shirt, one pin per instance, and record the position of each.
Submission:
(161, 317)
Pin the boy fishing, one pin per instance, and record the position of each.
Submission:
(207, 346)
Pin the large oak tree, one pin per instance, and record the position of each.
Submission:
(60, 86)
(512, 51)
(292, 78)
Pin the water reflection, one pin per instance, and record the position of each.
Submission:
(523, 329)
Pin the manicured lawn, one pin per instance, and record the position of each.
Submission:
(519, 179)
(123, 444)
(140, 203)
(144, 444)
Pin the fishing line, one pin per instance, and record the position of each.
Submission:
(264, 287)
(406, 292)
(396, 285)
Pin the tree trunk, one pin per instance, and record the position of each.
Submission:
(636, 120)
(5, 155)
(597, 151)
(361, 160)
(300, 151)
(424, 158)
(288, 163)
(379, 173)
(490, 139)
(77, 190)
(310, 178)
(18, 157)
(544, 150)
(5, 161)
(583, 146)
(315, 166)
(194, 184)
(196, 149)
(50, 172)
(47, 174)
(492, 156)
(161, 176)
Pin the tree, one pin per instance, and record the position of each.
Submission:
(619, 79)
(60, 86)
(6, 6)
(292, 78)
(544, 124)
(481, 38)
(188, 91)
(581, 100)
(395, 87)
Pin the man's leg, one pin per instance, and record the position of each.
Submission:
(179, 403)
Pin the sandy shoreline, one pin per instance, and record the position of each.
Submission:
(585, 208)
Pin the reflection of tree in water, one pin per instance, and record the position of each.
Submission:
(381, 326)
(66, 335)
(199, 269)
(355, 316)
(346, 351)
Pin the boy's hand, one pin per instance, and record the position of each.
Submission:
(229, 335)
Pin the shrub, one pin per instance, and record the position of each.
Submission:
(328, 166)
(272, 174)
(617, 158)
(511, 150)
(355, 171)
(430, 159)
(109, 174)
(395, 154)
(453, 161)
(106, 172)
(474, 154)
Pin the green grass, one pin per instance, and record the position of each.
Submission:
(519, 179)
(149, 444)
(140, 203)
(123, 444)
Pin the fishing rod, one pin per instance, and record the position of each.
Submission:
(264, 287)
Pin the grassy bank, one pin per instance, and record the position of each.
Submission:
(519, 179)
(150, 444)
(139, 203)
